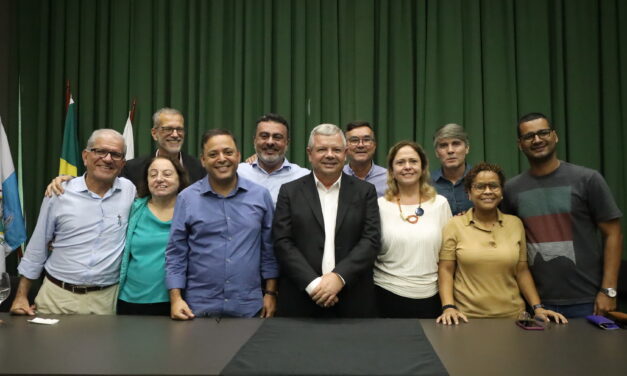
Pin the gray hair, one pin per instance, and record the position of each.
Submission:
(156, 117)
(102, 132)
(326, 130)
(451, 130)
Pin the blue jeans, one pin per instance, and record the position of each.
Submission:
(572, 311)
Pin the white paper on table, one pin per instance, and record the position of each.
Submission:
(39, 320)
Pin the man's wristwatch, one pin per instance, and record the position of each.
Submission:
(610, 291)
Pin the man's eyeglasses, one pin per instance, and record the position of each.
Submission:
(168, 130)
(480, 187)
(102, 153)
(354, 141)
(542, 133)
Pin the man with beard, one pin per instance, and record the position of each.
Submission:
(220, 245)
(361, 148)
(563, 207)
(168, 131)
(270, 168)
(326, 235)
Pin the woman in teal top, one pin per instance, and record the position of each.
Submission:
(142, 274)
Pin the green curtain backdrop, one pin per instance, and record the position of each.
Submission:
(407, 66)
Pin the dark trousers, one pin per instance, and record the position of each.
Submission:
(572, 311)
(391, 305)
(355, 301)
(151, 309)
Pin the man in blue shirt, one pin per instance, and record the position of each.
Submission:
(270, 168)
(361, 148)
(86, 228)
(220, 244)
(451, 147)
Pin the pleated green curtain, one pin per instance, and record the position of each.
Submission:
(409, 66)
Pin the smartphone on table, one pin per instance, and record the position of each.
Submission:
(530, 324)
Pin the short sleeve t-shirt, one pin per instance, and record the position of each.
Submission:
(560, 212)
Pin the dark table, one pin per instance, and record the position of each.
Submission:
(157, 345)
(101, 345)
(498, 347)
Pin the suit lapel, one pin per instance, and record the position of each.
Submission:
(343, 200)
(312, 198)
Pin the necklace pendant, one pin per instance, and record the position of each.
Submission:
(413, 219)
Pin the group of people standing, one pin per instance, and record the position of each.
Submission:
(267, 237)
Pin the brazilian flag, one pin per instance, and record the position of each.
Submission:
(69, 162)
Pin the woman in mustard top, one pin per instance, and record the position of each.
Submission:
(483, 260)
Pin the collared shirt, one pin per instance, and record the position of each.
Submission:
(274, 180)
(180, 157)
(328, 203)
(454, 193)
(485, 282)
(377, 176)
(87, 233)
(220, 247)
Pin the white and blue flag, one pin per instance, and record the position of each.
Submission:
(12, 227)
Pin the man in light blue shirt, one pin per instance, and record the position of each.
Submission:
(451, 147)
(86, 229)
(220, 244)
(361, 147)
(271, 169)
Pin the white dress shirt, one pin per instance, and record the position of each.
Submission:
(329, 198)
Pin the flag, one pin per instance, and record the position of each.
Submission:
(128, 138)
(70, 157)
(12, 226)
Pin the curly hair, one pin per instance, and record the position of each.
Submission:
(483, 166)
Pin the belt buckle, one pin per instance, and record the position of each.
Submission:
(79, 289)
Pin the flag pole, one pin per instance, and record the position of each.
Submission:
(128, 133)
(68, 94)
(133, 110)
